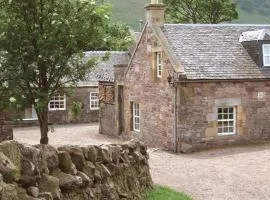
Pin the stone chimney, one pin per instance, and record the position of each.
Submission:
(155, 12)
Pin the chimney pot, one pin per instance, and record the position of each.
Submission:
(155, 12)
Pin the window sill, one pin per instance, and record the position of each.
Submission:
(30, 119)
(226, 134)
(136, 132)
(94, 108)
(57, 109)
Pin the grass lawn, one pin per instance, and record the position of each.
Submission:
(165, 193)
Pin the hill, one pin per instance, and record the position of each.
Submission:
(131, 12)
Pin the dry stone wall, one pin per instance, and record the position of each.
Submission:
(43, 172)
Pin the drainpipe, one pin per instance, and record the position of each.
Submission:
(172, 82)
(175, 118)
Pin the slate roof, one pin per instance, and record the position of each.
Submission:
(213, 51)
(254, 35)
(104, 70)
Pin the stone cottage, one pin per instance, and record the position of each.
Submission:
(86, 93)
(189, 87)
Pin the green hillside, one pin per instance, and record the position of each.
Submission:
(131, 12)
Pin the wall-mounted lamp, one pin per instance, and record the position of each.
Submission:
(170, 79)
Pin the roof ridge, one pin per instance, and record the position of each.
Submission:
(106, 52)
(219, 25)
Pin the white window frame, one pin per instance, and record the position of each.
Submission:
(54, 99)
(159, 64)
(94, 101)
(224, 118)
(265, 63)
(136, 117)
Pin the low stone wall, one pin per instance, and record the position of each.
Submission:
(6, 131)
(43, 172)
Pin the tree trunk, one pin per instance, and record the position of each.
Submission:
(43, 124)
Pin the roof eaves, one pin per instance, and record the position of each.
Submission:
(133, 54)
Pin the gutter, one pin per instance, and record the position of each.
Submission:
(221, 80)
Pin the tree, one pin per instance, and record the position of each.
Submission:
(200, 11)
(41, 49)
(118, 37)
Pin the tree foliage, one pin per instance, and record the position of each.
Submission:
(41, 48)
(200, 11)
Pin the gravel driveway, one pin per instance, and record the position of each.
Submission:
(76, 134)
(241, 173)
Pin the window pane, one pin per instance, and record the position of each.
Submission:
(266, 49)
(136, 117)
(158, 64)
(267, 60)
(225, 120)
(159, 58)
(94, 101)
(266, 54)
(57, 102)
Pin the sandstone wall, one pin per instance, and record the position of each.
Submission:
(108, 119)
(43, 172)
(6, 132)
(80, 94)
(197, 116)
(154, 95)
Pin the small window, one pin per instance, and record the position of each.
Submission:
(266, 55)
(136, 117)
(159, 64)
(226, 120)
(58, 102)
(94, 101)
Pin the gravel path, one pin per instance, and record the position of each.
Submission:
(241, 173)
(77, 134)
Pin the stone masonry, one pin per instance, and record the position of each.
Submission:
(107, 110)
(154, 95)
(6, 132)
(197, 116)
(80, 94)
(43, 172)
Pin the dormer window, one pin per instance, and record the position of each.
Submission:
(159, 64)
(266, 55)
